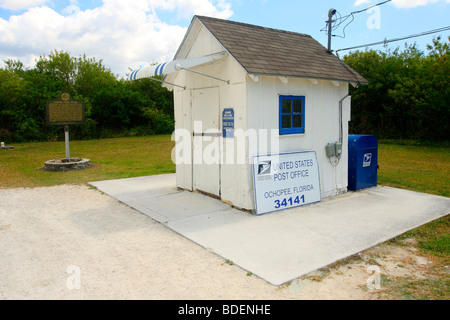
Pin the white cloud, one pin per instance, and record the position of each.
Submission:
(20, 4)
(72, 9)
(122, 33)
(361, 2)
(206, 8)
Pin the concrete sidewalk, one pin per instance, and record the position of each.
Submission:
(284, 245)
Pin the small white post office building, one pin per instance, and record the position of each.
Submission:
(257, 106)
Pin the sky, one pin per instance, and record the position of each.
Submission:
(125, 34)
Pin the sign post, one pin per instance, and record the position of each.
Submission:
(285, 181)
(66, 136)
(65, 112)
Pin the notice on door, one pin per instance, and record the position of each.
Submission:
(285, 181)
(228, 123)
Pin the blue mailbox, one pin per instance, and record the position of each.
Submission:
(362, 161)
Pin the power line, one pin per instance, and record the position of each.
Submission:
(366, 9)
(375, 5)
(339, 21)
(425, 33)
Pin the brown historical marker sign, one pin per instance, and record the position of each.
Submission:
(65, 111)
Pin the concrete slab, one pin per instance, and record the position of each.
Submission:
(284, 245)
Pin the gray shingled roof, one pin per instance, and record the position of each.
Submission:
(265, 51)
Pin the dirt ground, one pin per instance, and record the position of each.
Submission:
(73, 242)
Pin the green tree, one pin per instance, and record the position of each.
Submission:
(408, 93)
(61, 66)
(113, 106)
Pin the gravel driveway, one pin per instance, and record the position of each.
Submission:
(74, 242)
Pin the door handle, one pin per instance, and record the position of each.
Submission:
(207, 134)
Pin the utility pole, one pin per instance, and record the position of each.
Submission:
(331, 13)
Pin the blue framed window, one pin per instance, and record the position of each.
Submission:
(292, 114)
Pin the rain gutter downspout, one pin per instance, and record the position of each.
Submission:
(341, 133)
(341, 129)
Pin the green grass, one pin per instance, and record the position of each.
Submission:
(422, 168)
(436, 288)
(403, 164)
(111, 159)
(433, 238)
(414, 167)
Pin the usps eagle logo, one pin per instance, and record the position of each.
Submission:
(367, 160)
(264, 167)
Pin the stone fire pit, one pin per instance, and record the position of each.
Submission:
(67, 164)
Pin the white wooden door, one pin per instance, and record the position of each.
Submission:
(206, 140)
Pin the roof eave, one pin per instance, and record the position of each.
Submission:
(307, 77)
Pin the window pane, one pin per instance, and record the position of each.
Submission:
(286, 122)
(286, 106)
(298, 106)
(297, 121)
